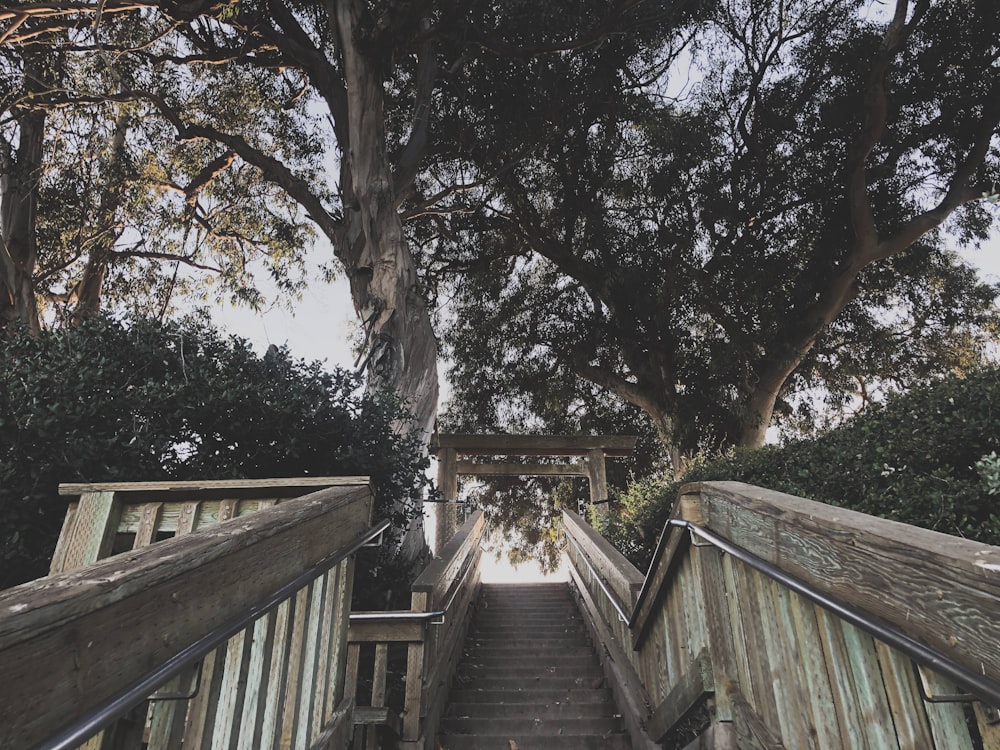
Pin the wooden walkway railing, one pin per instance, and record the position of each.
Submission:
(707, 644)
(270, 589)
(432, 634)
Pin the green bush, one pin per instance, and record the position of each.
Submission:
(926, 457)
(106, 401)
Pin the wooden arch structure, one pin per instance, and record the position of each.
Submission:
(455, 454)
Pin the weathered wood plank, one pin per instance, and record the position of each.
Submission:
(669, 548)
(389, 631)
(847, 711)
(909, 718)
(801, 618)
(534, 445)
(73, 639)
(269, 729)
(338, 647)
(232, 692)
(686, 693)
(867, 680)
(621, 576)
(947, 720)
(439, 576)
(310, 664)
(469, 468)
(718, 618)
(290, 483)
(149, 524)
(58, 563)
(93, 531)
(626, 686)
(945, 597)
(257, 680)
(290, 735)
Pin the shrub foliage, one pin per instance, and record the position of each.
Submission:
(923, 458)
(110, 401)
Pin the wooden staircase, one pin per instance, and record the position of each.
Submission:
(529, 677)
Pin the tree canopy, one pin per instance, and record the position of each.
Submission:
(780, 222)
(110, 401)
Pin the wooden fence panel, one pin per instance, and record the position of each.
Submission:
(785, 672)
(110, 622)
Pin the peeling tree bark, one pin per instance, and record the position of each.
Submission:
(402, 350)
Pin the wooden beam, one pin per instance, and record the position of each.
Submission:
(616, 446)
(291, 484)
(621, 575)
(72, 640)
(687, 692)
(387, 630)
(469, 468)
(440, 574)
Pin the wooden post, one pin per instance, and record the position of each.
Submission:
(598, 475)
(448, 474)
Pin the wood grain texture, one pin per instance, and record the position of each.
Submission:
(293, 484)
(72, 639)
(941, 590)
(468, 468)
(621, 576)
(534, 445)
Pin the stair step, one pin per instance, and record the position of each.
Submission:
(527, 742)
(529, 678)
(489, 671)
(553, 656)
(513, 726)
(541, 710)
(530, 695)
(521, 683)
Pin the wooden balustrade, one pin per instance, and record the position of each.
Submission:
(717, 645)
(71, 641)
(433, 644)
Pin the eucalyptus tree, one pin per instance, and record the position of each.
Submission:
(706, 249)
(377, 80)
(111, 207)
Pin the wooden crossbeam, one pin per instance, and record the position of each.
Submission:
(469, 468)
(534, 445)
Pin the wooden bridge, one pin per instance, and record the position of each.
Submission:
(217, 615)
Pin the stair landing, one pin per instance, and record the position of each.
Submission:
(529, 677)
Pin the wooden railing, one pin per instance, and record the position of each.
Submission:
(713, 646)
(264, 598)
(432, 633)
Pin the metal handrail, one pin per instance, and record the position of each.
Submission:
(600, 582)
(418, 616)
(111, 708)
(396, 616)
(984, 688)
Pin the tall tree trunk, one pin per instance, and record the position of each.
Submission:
(21, 172)
(402, 350)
